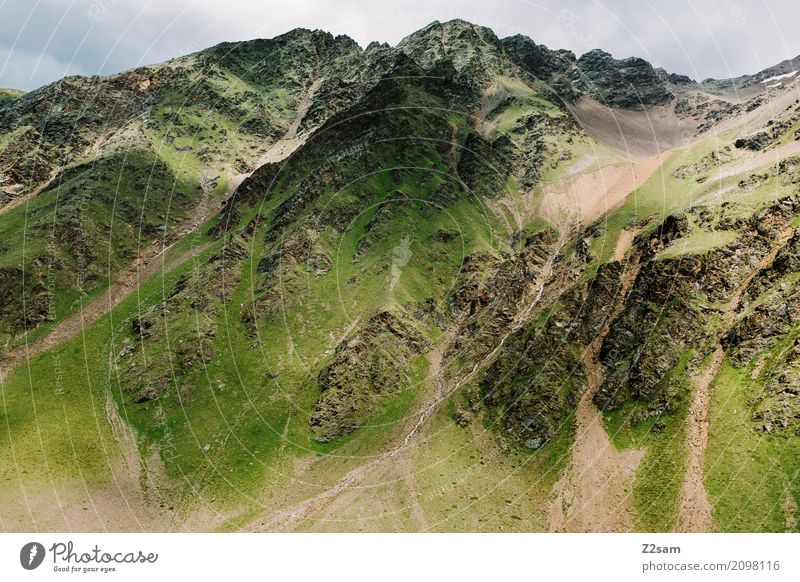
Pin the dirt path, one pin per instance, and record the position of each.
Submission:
(694, 509)
(758, 160)
(789, 506)
(695, 513)
(593, 493)
(624, 243)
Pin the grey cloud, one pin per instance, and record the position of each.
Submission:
(41, 42)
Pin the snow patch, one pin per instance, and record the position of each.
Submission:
(778, 78)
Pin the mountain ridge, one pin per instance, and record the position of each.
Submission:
(431, 280)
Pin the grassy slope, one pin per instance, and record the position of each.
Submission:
(60, 391)
(8, 94)
(258, 443)
(660, 474)
(89, 225)
(468, 483)
(328, 303)
(659, 477)
(751, 477)
(463, 480)
(254, 443)
(194, 139)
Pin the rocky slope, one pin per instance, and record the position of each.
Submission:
(450, 271)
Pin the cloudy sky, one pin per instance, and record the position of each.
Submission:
(43, 40)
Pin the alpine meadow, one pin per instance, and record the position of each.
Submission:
(464, 283)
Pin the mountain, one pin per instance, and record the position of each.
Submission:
(463, 283)
(8, 94)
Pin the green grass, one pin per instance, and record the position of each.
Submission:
(250, 402)
(234, 428)
(54, 408)
(663, 194)
(467, 482)
(9, 94)
(588, 155)
(749, 475)
(76, 236)
(233, 425)
(698, 242)
(660, 474)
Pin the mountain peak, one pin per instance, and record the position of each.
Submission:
(316, 35)
(537, 59)
(452, 31)
(630, 83)
(438, 249)
(467, 47)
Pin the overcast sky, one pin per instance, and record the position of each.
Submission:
(44, 40)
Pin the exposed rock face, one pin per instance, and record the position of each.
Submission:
(777, 408)
(537, 381)
(774, 131)
(630, 83)
(774, 307)
(14, 295)
(663, 317)
(664, 321)
(81, 232)
(673, 78)
(537, 59)
(726, 86)
(484, 165)
(765, 331)
(161, 361)
(477, 55)
(64, 121)
(368, 366)
(708, 163)
(386, 213)
(473, 52)
(487, 292)
(647, 341)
